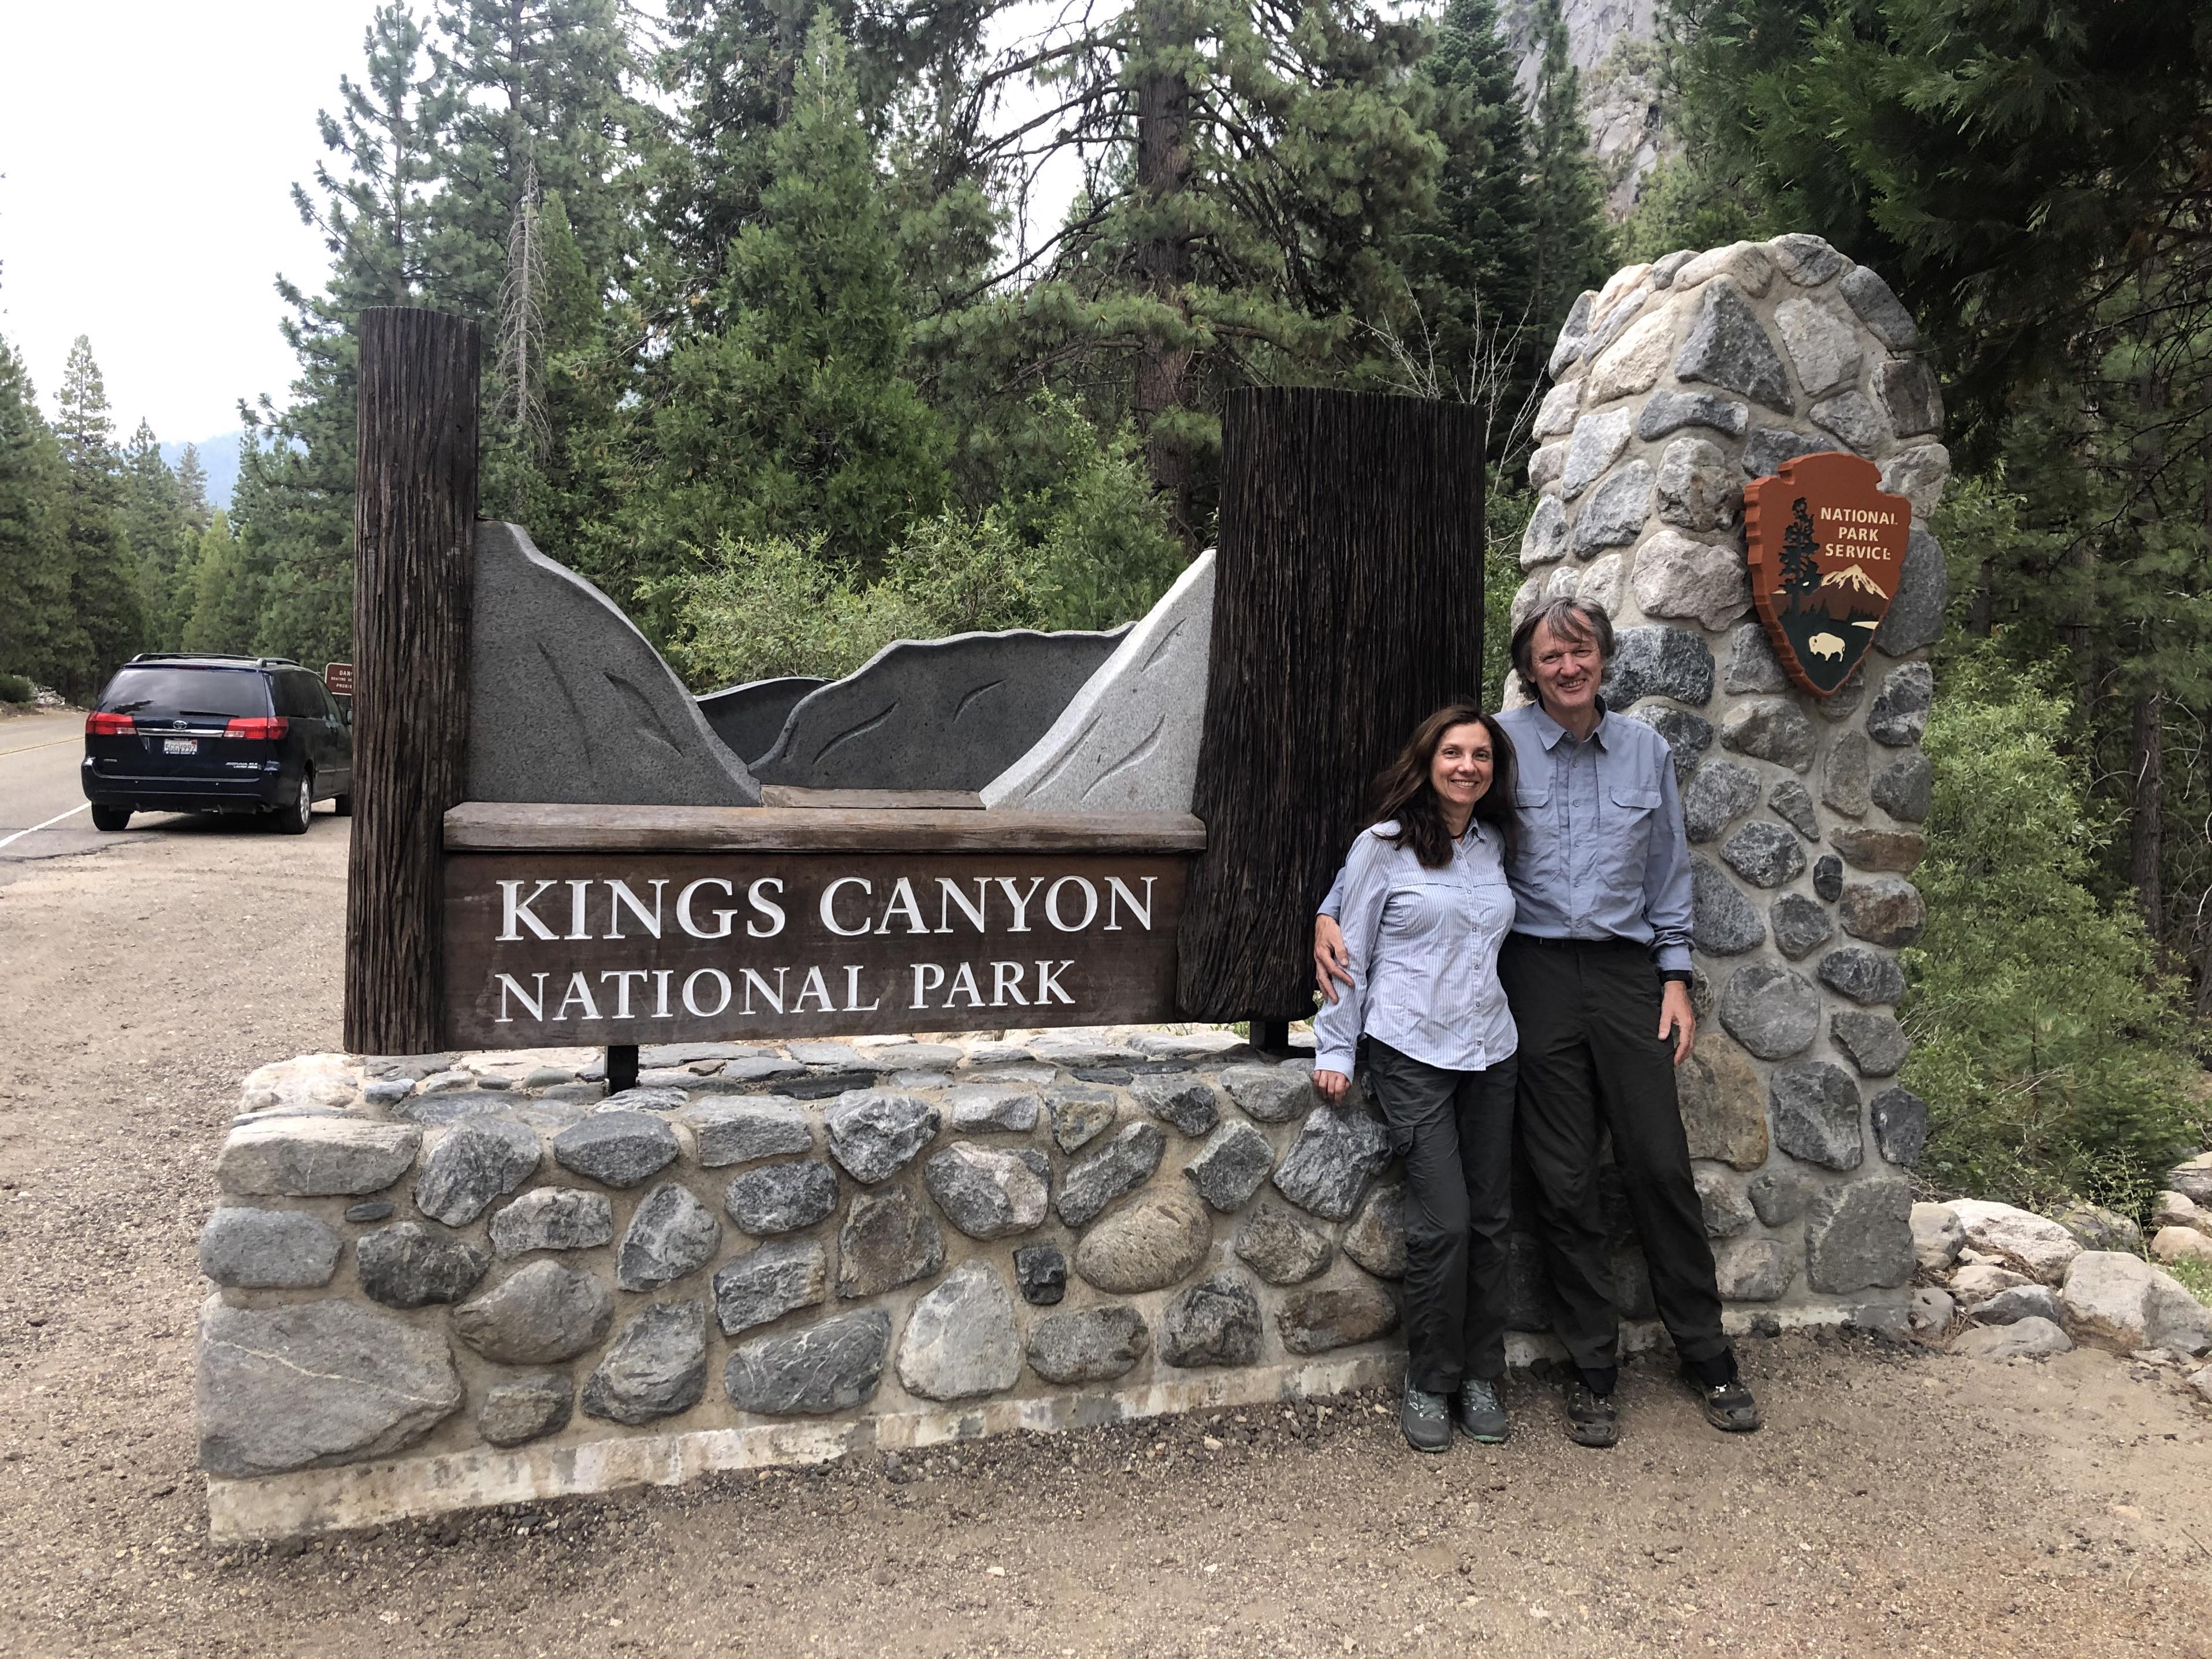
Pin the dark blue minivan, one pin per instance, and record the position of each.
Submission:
(185, 734)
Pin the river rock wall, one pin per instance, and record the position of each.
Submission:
(1675, 386)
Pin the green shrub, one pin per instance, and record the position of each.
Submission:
(14, 688)
(2051, 1049)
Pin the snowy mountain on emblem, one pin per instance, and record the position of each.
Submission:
(1851, 576)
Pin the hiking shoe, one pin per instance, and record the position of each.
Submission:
(1593, 1419)
(1729, 1406)
(1481, 1418)
(1426, 1419)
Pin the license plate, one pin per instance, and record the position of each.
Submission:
(180, 745)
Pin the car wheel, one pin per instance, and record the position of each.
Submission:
(292, 818)
(110, 818)
(343, 805)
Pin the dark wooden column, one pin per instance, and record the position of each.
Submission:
(415, 508)
(1347, 607)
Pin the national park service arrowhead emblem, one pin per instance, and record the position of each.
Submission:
(1826, 547)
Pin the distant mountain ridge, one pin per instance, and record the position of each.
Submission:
(218, 460)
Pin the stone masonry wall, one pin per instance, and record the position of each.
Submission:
(1677, 385)
(450, 1280)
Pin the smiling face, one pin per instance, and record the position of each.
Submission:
(1460, 770)
(1568, 668)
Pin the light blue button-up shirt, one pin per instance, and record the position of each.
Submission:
(1599, 850)
(1424, 947)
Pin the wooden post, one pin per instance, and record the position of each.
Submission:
(415, 508)
(1348, 607)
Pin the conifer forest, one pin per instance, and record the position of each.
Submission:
(794, 346)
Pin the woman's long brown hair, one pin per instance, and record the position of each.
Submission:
(1403, 792)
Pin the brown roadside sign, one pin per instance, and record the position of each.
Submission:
(1826, 548)
(337, 678)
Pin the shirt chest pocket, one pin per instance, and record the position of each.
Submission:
(1631, 817)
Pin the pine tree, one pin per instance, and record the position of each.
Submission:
(153, 523)
(793, 417)
(191, 489)
(34, 554)
(1572, 245)
(108, 611)
(226, 600)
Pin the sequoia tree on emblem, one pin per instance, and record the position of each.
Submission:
(1826, 547)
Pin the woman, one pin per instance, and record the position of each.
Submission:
(1426, 907)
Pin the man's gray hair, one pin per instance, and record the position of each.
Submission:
(1567, 619)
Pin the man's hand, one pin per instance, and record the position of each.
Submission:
(1332, 1086)
(1332, 962)
(1675, 1019)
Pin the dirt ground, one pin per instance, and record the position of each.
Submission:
(1900, 1502)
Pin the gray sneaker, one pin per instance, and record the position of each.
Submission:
(1426, 1419)
(1480, 1416)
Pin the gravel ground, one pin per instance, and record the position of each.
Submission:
(1900, 1502)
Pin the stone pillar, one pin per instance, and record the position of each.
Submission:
(1676, 385)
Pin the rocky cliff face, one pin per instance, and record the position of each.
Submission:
(1613, 43)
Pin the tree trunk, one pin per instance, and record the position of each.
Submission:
(415, 508)
(1348, 608)
(2146, 808)
(1162, 256)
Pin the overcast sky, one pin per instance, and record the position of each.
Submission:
(147, 153)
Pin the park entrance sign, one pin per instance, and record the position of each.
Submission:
(1827, 551)
(615, 926)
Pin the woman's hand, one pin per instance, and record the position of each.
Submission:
(1334, 1085)
(1332, 962)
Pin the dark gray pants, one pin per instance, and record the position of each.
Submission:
(1591, 1060)
(1455, 1130)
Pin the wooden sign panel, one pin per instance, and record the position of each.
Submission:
(337, 678)
(591, 946)
(1826, 548)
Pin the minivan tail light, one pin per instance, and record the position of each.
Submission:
(259, 727)
(109, 725)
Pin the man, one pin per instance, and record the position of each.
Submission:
(1597, 973)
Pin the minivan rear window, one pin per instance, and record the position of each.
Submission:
(176, 692)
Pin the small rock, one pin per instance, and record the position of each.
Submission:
(659, 1098)
(2125, 1302)
(1752, 665)
(875, 1135)
(1875, 1043)
(1792, 803)
(1855, 418)
(1329, 1165)
(1771, 729)
(1936, 1237)
(1932, 1312)
(979, 1109)
(2008, 1307)
(369, 1210)
(1376, 1237)
(1727, 347)
(985, 1194)
(314, 1157)
(477, 1160)
(1595, 444)
(1720, 793)
(1687, 736)
(1906, 787)
(2032, 1243)
(1158, 1240)
(1765, 854)
(1914, 401)
(1659, 662)
(1900, 1125)
(1881, 849)
(1816, 1114)
(888, 1240)
(1723, 1103)
(1768, 446)
(543, 1314)
(1726, 1214)
(672, 1234)
(1124, 1164)
(1825, 349)
(1844, 778)
(2202, 1382)
(617, 1149)
(655, 1367)
(1750, 1270)
(1806, 259)
(1633, 362)
(830, 1366)
(1182, 1100)
(1879, 308)
(743, 1129)
(1215, 1323)
(1343, 1309)
(960, 1340)
(1281, 1248)
(2192, 1179)
(552, 1219)
(1799, 924)
(2027, 1339)
(1978, 1281)
(1859, 1236)
(1779, 1196)
(1613, 514)
(268, 1250)
(408, 1265)
(1866, 976)
(2099, 1228)
(1899, 713)
(525, 1409)
(1230, 1166)
(1723, 921)
(2172, 1244)
(1774, 1012)
(1090, 1345)
(1081, 1112)
(782, 1198)
(770, 1281)
(1040, 1274)
(1670, 411)
(1828, 877)
(1700, 490)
